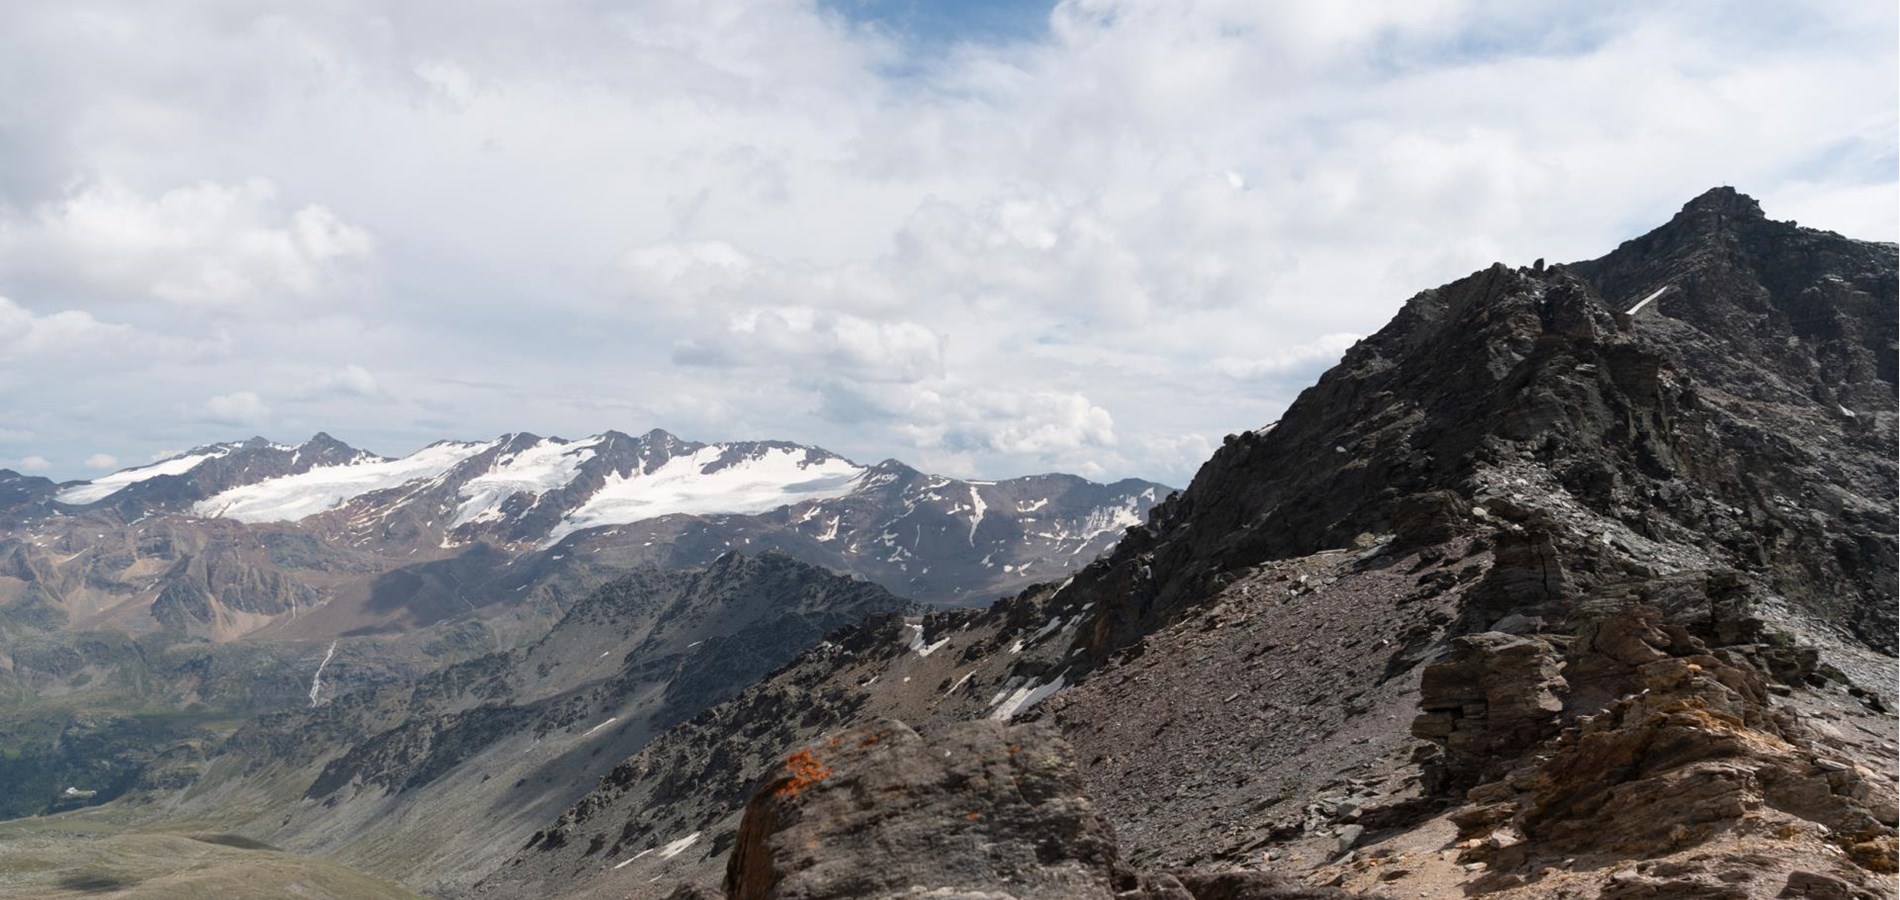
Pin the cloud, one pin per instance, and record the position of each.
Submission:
(105, 461)
(239, 408)
(202, 244)
(25, 335)
(1098, 245)
(350, 381)
(1325, 350)
(34, 464)
(15, 435)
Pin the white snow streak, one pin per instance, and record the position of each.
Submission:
(1019, 701)
(624, 862)
(777, 477)
(976, 513)
(294, 497)
(675, 848)
(544, 467)
(917, 641)
(1645, 301)
(101, 488)
(316, 681)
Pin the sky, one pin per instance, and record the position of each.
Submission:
(989, 238)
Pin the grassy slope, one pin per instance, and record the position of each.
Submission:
(81, 856)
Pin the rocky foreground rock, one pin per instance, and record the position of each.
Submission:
(977, 811)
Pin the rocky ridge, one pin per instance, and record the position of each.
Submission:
(1531, 596)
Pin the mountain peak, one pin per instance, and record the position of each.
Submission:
(1721, 201)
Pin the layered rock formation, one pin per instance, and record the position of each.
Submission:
(977, 811)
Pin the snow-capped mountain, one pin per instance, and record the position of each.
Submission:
(234, 537)
(208, 470)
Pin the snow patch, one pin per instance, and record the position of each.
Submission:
(316, 681)
(977, 509)
(679, 846)
(1054, 623)
(1019, 701)
(101, 488)
(776, 477)
(321, 489)
(623, 863)
(544, 467)
(1645, 301)
(917, 641)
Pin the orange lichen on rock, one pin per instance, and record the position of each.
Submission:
(1877, 853)
(806, 770)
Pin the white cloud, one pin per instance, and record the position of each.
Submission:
(351, 380)
(25, 335)
(206, 244)
(34, 464)
(102, 461)
(239, 408)
(1097, 251)
(1326, 350)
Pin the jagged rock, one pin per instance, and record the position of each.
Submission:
(1495, 697)
(1690, 750)
(1527, 577)
(1433, 517)
(980, 810)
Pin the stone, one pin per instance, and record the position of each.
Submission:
(982, 808)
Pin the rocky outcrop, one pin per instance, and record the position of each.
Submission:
(981, 810)
(1497, 696)
(976, 811)
(1690, 750)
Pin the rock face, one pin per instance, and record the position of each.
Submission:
(1692, 751)
(1496, 697)
(981, 810)
(978, 811)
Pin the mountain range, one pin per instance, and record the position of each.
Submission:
(155, 609)
(322, 539)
